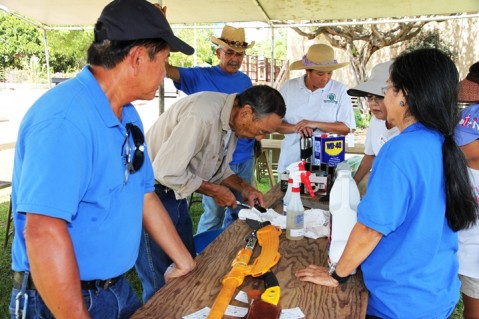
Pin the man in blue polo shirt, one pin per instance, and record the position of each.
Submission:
(223, 78)
(83, 183)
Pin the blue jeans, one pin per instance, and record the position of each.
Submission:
(152, 261)
(117, 301)
(214, 216)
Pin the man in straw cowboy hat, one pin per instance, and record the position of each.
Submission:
(314, 102)
(224, 78)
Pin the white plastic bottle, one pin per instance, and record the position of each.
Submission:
(287, 196)
(292, 168)
(295, 213)
(295, 209)
(343, 203)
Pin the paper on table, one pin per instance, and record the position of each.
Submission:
(316, 221)
(233, 311)
(236, 311)
(200, 314)
(293, 313)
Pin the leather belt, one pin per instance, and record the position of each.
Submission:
(85, 285)
(162, 188)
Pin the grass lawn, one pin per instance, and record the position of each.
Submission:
(5, 257)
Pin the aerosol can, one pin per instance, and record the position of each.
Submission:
(343, 205)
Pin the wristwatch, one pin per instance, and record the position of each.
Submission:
(332, 272)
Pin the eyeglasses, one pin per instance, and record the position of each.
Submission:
(133, 163)
(375, 98)
(232, 53)
(386, 88)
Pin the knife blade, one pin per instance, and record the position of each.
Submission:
(257, 207)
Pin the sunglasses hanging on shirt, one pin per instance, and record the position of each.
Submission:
(133, 161)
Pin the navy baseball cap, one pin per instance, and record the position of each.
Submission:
(128, 20)
(467, 130)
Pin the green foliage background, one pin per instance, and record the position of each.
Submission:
(206, 50)
(67, 48)
(22, 41)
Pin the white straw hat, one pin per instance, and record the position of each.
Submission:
(375, 83)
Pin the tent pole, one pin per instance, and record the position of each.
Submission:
(195, 41)
(47, 57)
(161, 89)
(272, 64)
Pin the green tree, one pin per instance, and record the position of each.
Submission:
(20, 41)
(68, 49)
(205, 50)
(263, 48)
(432, 39)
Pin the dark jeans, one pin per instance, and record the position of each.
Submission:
(117, 301)
(152, 261)
(214, 216)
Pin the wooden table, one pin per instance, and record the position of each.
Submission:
(199, 289)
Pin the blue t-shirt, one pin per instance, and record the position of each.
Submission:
(214, 79)
(412, 272)
(70, 164)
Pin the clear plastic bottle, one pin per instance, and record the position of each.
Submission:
(295, 209)
(287, 196)
(295, 214)
(343, 204)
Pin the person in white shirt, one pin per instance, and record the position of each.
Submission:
(380, 130)
(314, 102)
(467, 138)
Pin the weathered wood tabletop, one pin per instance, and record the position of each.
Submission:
(199, 289)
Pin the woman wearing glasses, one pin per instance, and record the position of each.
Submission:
(380, 130)
(418, 197)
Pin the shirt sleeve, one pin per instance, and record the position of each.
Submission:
(56, 171)
(189, 80)
(176, 173)
(385, 204)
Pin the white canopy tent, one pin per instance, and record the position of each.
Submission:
(59, 14)
(52, 13)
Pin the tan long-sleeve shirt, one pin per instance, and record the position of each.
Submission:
(186, 144)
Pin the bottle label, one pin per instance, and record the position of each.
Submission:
(296, 232)
(317, 150)
(299, 219)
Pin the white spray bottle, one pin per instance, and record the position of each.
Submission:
(294, 167)
(295, 209)
(343, 204)
(287, 196)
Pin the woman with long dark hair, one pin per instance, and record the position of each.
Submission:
(418, 196)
